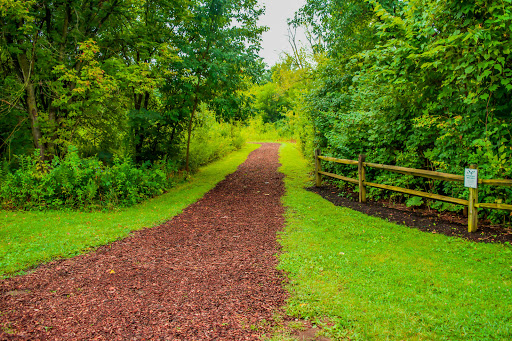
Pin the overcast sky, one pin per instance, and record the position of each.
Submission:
(275, 40)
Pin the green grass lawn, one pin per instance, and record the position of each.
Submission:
(30, 238)
(363, 278)
(358, 277)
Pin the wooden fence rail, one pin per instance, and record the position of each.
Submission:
(472, 201)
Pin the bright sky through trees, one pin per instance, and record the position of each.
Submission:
(275, 40)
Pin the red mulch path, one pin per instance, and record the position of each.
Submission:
(208, 274)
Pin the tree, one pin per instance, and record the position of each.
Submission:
(40, 36)
(218, 49)
(79, 65)
(147, 48)
(124, 75)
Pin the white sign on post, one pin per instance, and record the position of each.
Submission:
(471, 178)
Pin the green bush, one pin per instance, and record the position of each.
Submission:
(74, 182)
(422, 84)
(211, 139)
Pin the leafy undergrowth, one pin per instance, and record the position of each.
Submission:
(363, 278)
(30, 238)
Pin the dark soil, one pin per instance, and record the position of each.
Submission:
(208, 274)
(310, 334)
(427, 220)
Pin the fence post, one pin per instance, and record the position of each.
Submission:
(362, 178)
(472, 210)
(318, 168)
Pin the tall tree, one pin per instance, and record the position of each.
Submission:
(219, 48)
(39, 36)
(147, 47)
(71, 62)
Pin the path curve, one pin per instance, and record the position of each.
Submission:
(207, 274)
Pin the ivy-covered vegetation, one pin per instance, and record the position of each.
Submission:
(423, 84)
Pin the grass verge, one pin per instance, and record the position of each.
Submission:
(30, 238)
(363, 278)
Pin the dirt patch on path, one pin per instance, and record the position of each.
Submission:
(208, 274)
(430, 221)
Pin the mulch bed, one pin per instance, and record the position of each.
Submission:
(208, 274)
(430, 221)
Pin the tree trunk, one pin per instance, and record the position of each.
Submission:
(34, 121)
(137, 131)
(26, 69)
(196, 102)
(146, 100)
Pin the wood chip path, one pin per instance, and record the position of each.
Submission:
(208, 274)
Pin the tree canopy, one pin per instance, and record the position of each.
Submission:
(121, 75)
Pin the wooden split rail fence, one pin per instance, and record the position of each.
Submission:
(472, 202)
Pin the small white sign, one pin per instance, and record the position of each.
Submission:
(471, 178)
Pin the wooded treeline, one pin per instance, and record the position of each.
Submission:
(123, 78)
(423, 84)
(121, 75)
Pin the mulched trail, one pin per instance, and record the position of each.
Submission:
(430, 221)
(208, 274)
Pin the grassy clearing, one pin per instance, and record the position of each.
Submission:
(363, 278)
(30, 238)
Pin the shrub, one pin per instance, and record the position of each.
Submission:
(211, 139)
(74, 182)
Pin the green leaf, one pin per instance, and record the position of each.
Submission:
(414, 201)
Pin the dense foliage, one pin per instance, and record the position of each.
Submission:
(123, 78)
(276, 100)
(89, 183)
(81, 182)
(422, 83)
